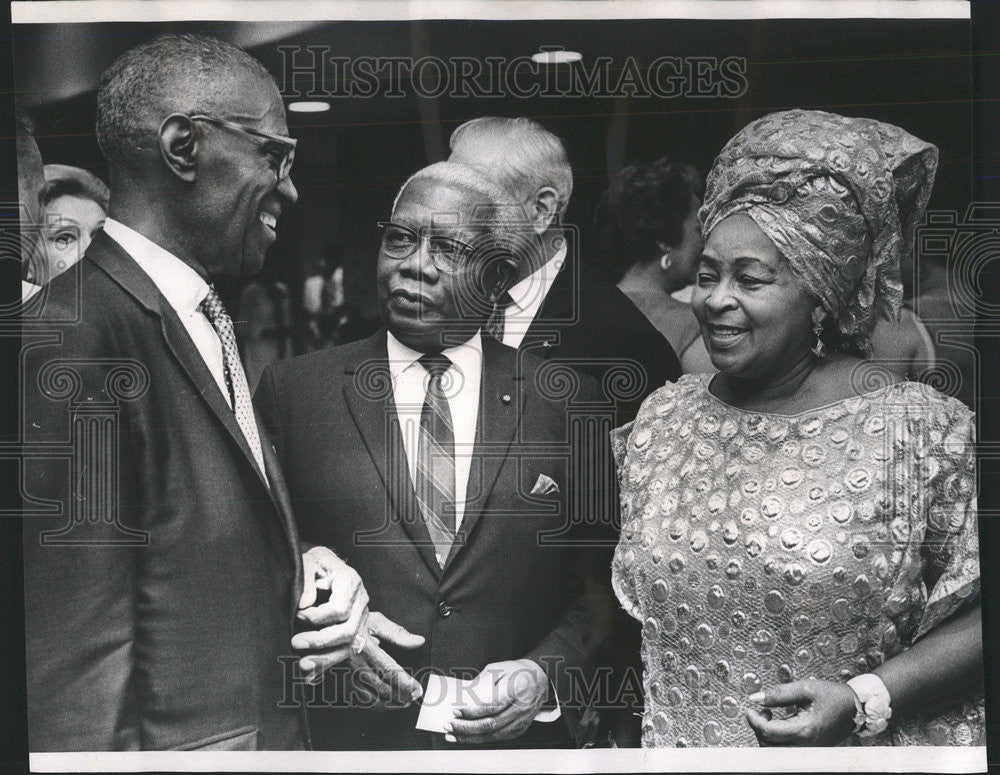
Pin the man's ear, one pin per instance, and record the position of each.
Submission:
(179, 146)
(505, 273)
(544, 208)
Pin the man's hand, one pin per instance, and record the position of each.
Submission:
(338, 620)
(364, 650)
(825, 713)
(343, 624)
(381, 683)
(510, 696)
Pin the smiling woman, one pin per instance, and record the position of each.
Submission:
(811, 576)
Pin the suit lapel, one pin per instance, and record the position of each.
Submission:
(279, 494)
(501, 406)
(110, 257)
(544, 335)
(369, 398)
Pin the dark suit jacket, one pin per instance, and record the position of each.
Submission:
(517, 587)
(156, 619)
(591, 325)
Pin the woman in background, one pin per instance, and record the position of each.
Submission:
(75, 203)
(649, 240)
(799, 533)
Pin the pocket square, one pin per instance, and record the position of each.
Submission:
(545, 486)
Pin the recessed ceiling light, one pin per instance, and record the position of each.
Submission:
(308, 107)
(556, 57)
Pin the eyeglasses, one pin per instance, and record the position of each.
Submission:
(286, 145)
(399, 242)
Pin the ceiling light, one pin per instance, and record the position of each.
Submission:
(557, 56)
(308, 107)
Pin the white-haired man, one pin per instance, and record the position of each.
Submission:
(452, 483)
(557, 308)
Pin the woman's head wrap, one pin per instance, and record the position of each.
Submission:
(839, 197)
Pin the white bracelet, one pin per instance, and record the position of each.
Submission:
(871, 699)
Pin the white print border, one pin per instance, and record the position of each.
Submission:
(71, 11)
(855, 759)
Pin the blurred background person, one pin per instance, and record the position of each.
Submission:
(558, 308)
(649, 240)
(74, 204)
(904, 345)
(940, 310)
(30, 179)
(799, 531)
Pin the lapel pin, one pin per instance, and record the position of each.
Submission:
(546, 344)
(505, 398)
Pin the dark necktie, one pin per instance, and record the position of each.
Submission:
(435, 479)
(495, 324)
(236, 380)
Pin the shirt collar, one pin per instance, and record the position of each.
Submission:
(179, 283)
(533, 288)
(466, 357)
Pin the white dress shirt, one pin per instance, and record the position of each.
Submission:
(28, 290)
(182, 287)
(461, 385)
(528, 295)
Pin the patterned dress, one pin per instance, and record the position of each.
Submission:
(759, 549)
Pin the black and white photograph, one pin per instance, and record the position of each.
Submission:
(558, 386)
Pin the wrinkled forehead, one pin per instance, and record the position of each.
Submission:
(439, 203)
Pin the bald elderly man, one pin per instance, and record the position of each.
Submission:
(164, 590)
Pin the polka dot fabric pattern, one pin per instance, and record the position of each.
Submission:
(759, 549)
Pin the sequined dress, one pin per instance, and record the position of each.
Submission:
(758, 549)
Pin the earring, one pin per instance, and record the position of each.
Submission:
(665, 261)
(819, 349)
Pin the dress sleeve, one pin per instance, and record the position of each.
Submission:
(619, 444)
(950, 548)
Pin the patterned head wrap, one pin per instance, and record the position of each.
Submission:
(839, 197)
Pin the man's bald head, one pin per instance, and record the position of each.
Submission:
(520, 154)
(169, 74)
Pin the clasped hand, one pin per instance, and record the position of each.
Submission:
(507, 697)
(344, 629)
(825, 713)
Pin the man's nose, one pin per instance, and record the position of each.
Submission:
(419, 263)
(287, 190)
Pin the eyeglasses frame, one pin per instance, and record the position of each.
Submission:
(288, 142)
(467, 248)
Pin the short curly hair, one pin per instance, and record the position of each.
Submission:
(171, 73)
(645, 209)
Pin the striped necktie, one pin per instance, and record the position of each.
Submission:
(435, 479)
(497, 319)
(236, 380)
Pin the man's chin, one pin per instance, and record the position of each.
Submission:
(427, 336)
(251, 263)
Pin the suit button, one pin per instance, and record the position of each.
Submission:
(444, 610)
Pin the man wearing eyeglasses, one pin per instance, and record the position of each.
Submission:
(162, 593)
(458, 477)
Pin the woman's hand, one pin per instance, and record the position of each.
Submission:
(825, 713)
